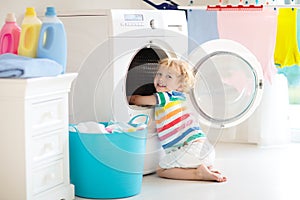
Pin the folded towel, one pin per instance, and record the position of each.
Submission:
(15, 66)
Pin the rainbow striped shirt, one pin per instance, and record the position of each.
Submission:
(174, 123)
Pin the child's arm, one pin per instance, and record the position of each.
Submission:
(142, 100)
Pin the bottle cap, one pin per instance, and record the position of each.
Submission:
(10, 17)
(30, 12)
(50, 11)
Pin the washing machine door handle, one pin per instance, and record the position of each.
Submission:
(229, 83)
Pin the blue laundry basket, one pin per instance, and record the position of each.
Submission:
(107, 165)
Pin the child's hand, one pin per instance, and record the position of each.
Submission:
(128, 98)
(141, 100)
(133, 99)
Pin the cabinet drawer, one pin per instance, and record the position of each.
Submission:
(48, 176)
(48, 115)
(49, 145)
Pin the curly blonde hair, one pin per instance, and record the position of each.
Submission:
(183, 69)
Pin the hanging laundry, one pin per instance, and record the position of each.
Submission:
(292, 74)
(256, 30)
(298, 28)
(202, 27)
(286, 49)
(287, 57)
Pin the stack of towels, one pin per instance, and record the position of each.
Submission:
(15, 66)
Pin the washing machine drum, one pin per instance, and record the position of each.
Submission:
(228, 85)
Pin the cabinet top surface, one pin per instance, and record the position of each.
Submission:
(33, 87)
(37, 79)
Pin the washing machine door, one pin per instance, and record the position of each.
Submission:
(228, 85)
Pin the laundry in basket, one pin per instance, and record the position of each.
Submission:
(108, 165)
(110, 127)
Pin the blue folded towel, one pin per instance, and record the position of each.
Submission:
(15, 66)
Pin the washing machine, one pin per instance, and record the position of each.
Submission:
(116, 53)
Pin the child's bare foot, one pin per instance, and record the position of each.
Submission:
(205, 174)
(210, 168)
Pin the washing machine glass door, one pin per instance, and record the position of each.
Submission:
(229, 83)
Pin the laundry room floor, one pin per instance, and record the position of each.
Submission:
(253, 173)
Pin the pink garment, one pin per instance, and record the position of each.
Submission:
(256, 30)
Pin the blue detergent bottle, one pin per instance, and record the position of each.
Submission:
(52, 42)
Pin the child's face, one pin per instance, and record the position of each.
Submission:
(166, 80)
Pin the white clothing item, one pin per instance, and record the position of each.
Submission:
(191, 155)
(91, 127)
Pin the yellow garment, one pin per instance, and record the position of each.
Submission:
(286, 48)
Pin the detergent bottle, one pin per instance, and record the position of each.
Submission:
(30, 31)
(52, 42)
(10, 35)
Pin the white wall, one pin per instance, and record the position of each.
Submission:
(19, 6)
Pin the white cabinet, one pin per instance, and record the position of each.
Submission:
(34, 148)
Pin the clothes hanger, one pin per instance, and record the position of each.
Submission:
(168, 5)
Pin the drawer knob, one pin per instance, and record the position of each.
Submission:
(48, 115)
(49, 177)
(47, 148)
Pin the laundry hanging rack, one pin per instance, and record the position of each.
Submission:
(171, 5)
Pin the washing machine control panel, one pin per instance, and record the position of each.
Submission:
(132, 24)
(133, 20)
(147, 22)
